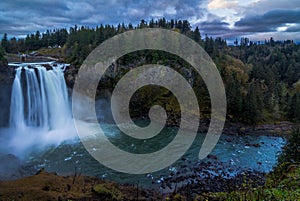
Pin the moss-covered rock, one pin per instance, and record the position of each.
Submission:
(50, 186)
(107, 192)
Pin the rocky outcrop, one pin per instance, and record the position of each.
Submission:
(70, 75)
(6, 81)
(11, 167)
(6, 73)
(235, 128)
(281, 129)
(106, 82)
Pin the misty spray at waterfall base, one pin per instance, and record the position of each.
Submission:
(40, 112)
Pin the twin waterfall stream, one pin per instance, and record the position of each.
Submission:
(39, 98)
(40, 111)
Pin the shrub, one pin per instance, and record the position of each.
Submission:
(291, 150)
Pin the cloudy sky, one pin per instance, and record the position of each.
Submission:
(256, 19)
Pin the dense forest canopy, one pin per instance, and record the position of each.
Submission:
(262, 79)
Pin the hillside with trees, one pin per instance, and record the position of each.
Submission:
(262, 79)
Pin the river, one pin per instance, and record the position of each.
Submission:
(41, 133)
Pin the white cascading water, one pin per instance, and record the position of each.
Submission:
(40, 112)
(17, 103)
(42, 102)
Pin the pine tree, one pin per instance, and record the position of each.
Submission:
(4, 43)
(294, 107)
(197, 35)
(253, 104)
(234, 96)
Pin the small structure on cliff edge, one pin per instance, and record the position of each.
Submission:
(23, 57)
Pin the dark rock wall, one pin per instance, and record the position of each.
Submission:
(6, 81)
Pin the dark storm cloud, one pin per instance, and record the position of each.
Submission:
(214, 28)
(269, 21)
(21, 17)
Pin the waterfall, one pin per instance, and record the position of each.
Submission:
(17, 103)
(39, 98)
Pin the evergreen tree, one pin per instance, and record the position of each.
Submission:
(234, 96)
(294, 107)
(197, 35)
(253, 104)
(291, 150)
(4, 43)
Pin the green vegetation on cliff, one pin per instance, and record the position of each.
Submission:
(262, 79)
(2, 54)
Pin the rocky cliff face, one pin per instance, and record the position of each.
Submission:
(70, 75)
(143, 99)
(6, 81)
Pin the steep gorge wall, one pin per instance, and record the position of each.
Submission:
(6, 81)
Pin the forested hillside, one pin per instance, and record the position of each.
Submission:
(262, 79)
